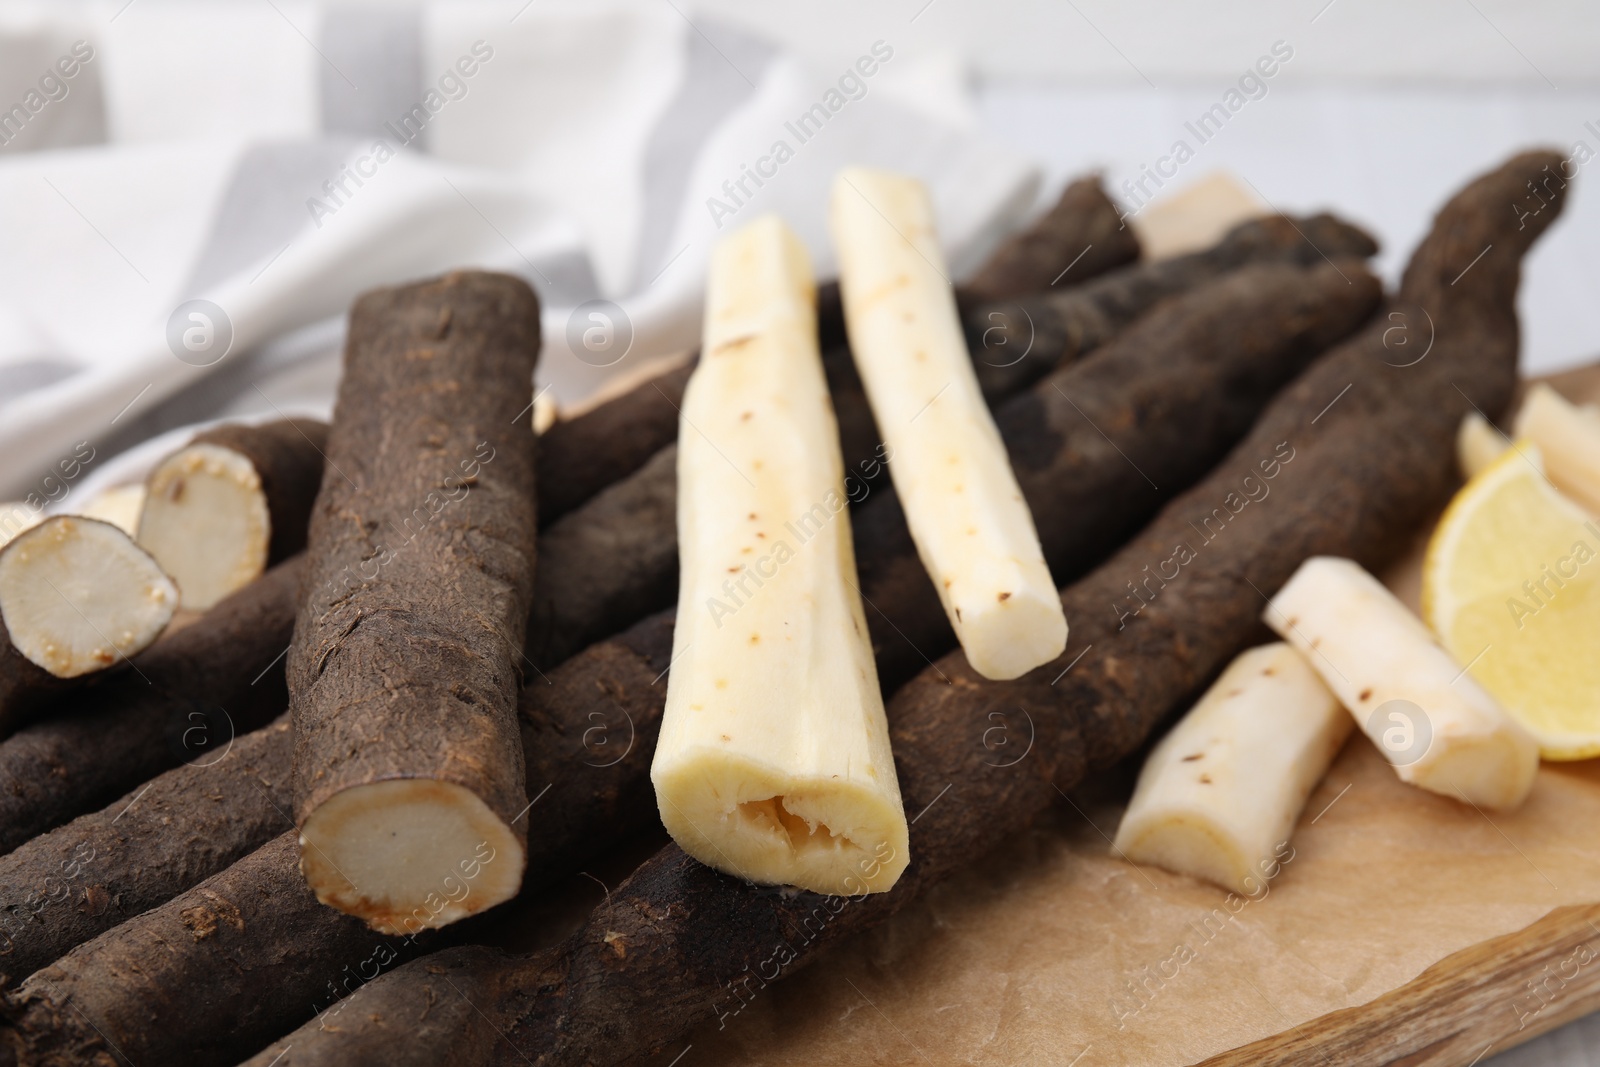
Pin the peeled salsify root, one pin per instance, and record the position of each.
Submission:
(964, 508)
(1569, 439)
(1219, 795)
(119, 505)
(1478, 444)
(773, 762)
(1438, 728)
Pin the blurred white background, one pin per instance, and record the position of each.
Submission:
(1383, 109)
(1166, 42)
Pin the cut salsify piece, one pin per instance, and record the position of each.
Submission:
(119, 505)
(1478, 444)
(1429, 718)
(233, 501)
(1569, 438)
(76, 596)
(1219, 795)
(206, 517)
(966, 514)
(773, 762)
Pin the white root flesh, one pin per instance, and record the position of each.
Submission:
(1478, 444)
(963, 506)
(388, 834)
(773, 762)
(120, 505)
(1218, 797)
(206, 521)
(545, 412)
(1437, 726)
(78, 596)
(1569, 439)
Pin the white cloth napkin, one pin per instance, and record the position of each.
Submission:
(185, 220)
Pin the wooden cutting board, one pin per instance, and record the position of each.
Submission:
(1406, 929)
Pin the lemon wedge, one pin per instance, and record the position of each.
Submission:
(1511, 585)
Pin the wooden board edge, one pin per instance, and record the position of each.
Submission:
(1487, 997)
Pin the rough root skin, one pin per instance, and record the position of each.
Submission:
(25, 689)
(606, 564)
(405, 658)
(138, 988)
(1017, 342)
(78, 881)
(1031, 260)
(578, 458)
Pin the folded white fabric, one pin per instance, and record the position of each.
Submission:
(186, 216)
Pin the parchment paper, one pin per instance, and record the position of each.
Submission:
(1053, 951)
